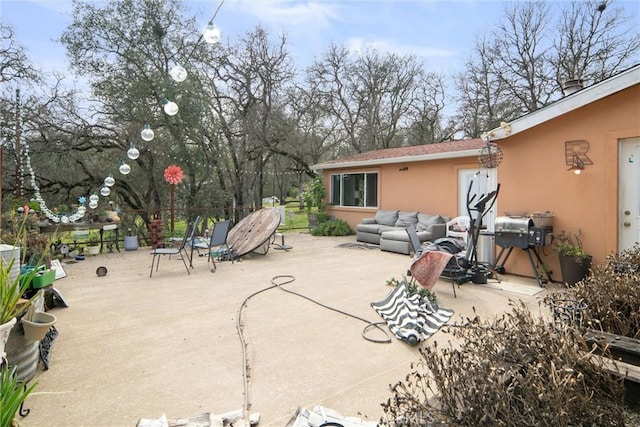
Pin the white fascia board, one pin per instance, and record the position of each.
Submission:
(404, 159)
(571, 102)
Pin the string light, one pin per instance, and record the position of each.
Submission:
(133, 152)
(109, 181)
(170, 107)
(178, 73)
(147, 134)
(52, 216)
(124, 168)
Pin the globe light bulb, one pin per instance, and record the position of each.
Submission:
(178, 73)
(147, 134)
(64, 219)
(94, 198)
(105, 191)
(133, 152)
(124, 168)
(82, 210)
(170, 107)
(211, 33)
(93, 204)
(109, 181)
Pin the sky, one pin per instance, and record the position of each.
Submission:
(439, 32)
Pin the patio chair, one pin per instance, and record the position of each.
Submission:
(218, 240)
(174, 249)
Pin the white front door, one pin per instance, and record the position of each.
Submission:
(481, 181)
(629, 197)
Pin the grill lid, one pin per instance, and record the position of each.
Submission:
(513, 225)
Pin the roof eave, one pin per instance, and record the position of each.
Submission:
(403, 159)
(569, 103)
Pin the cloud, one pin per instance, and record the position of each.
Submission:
(359, 45)
(286, 13)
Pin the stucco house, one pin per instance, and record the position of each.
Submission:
(595, 131)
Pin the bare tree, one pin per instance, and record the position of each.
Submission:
(520, 66)
(371, 95)
(482, 96)
(14, 64)
(592, 43)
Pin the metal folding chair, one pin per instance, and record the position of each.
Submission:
(218, 240)
(174, 250)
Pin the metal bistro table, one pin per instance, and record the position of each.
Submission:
(106, 226)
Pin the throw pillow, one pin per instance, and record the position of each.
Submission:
(405, 219)
(386, 217)
(425, 221)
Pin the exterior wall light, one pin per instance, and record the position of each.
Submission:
(577, 165)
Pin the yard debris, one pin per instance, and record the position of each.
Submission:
(320, 416)
(207, 419)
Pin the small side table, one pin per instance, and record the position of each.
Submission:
(112, 228)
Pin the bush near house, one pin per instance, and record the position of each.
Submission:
(329, 226)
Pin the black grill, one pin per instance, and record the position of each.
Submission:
(519, 232)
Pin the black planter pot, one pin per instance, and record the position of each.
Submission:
(574, 270)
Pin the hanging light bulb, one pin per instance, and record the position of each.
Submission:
(105, 191)
(82, 210)
(147, 134)
(109, 181)
(211, 33)
(64, 219)
(178, 73)
(170, 107)
(93, 204)
(133, 152)
(94, 198)
(124, 168)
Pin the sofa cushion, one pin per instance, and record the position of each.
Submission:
(425, 221)
(387, 217)
(405, 219)
(368, 228)
(400, 235)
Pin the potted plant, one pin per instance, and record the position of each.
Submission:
(93, 245)
(13, 286)
(12, 394)
(102, 216)
(574, 260)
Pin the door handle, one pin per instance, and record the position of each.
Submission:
(627, 224)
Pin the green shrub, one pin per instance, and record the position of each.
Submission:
(333, 227)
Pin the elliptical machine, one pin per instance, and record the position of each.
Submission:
(466, 267)
(479, 272)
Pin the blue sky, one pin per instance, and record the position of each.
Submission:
(441, 32)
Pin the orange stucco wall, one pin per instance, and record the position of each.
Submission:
(425, 187)
(533, 177)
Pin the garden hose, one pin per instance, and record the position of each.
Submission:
(279, 282)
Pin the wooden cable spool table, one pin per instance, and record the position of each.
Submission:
(254, 231)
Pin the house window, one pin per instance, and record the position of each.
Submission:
(354, 189)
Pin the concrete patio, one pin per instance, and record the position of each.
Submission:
(132, 347)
